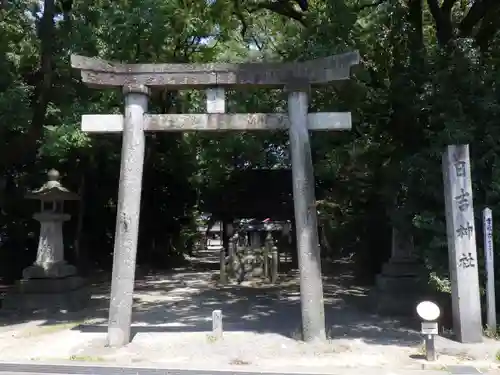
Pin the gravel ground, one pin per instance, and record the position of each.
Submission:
(172, 326)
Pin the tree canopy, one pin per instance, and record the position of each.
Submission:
(429, 77)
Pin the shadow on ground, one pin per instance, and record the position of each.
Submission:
(183, 301)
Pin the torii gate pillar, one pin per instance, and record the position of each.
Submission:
(306, 221)
(128, 212)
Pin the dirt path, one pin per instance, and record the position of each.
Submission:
(172, 325)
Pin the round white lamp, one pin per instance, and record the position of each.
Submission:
(428, 311)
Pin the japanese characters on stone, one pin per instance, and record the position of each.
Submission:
(461, 235)
(463, 201)
(465, 230)
(489, 227)
(466, 260)
(460, 168)
(488, 236)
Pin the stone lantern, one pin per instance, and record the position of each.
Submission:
(50, 282)
(50, 255)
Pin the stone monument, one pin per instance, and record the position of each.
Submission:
(403, 280)
(462, 252)
(49, 283)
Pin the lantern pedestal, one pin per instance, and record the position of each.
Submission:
(50, 261)
(51, 295)
(50, 284)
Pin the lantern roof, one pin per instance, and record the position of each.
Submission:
(52, 190)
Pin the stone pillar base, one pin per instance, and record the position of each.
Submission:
(54, 270)
(48, 294)
(399, 288)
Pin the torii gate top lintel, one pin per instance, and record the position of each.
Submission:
(101, 73)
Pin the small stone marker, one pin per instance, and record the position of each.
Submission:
(462, 252)
(217, 324)
(274, 262)
(491, 314)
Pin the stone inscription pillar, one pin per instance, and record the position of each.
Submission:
(466, 304)
(127, 219)
(311, 286)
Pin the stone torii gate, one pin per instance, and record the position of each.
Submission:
(136, 81)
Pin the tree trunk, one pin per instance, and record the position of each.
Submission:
(24, 150)
(81, 255)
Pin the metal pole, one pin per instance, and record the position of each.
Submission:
(430, 348)
(127, 219)
(311, 286)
